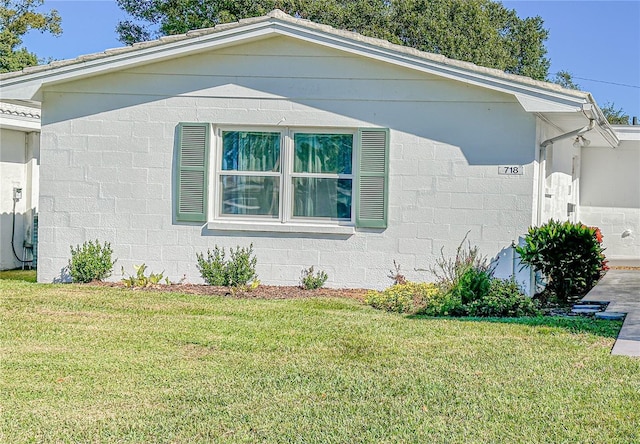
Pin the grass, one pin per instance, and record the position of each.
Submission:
(90, 364)
(19, 275)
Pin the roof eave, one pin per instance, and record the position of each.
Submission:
(533, 96)
(593, 111)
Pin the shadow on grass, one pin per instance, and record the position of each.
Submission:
(573, 324)
(19, 275)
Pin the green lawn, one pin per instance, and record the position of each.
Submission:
(19, 275)
(88, 364)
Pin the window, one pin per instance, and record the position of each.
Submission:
(249, 176)
(288, 176)
(322, 178)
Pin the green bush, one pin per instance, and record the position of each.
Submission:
(569, 256)
(397, 298)
(504, 299)
(438, 303)
(466, 274)
(90, 262)
(241, 267)
(472, 285)
(410, 297)
(311, 281)
(464, 278)
(213, 268)
(238, 270)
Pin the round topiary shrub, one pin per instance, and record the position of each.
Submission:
(569, 255)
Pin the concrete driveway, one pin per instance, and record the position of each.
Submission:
(621, 288)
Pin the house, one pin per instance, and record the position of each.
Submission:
(19, 154)
(318, 146)
(610, 195)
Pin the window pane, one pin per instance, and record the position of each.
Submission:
(323, 153)
(250, 151)
(329, 198)
(253, 195)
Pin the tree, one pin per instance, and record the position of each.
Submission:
(17, 17)
(564, 79)
(613, 115)
(479, 31)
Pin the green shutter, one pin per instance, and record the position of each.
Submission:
(372, 182)
(191, 180)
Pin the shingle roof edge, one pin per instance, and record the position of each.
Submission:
(19, 111)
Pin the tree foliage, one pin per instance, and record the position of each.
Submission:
(564, 79)
(479, 31)
(615, 116)
(17, 17)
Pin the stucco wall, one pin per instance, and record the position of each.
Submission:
(610, 197)
(108, 155)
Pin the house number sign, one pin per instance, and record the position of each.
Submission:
(511, 170)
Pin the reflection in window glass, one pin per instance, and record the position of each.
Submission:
(323, 153)
(316, 197)
(250, 151)
(250, 195)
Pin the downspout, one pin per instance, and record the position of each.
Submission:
(543, 161)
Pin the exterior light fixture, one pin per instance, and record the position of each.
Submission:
(581, 141)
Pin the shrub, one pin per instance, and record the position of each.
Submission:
(472, 285)
(213, 268)
(241, 267)
(90, 262)
(140, 280)
(465, 274)
(411, 297)
(238, 270)
(504, 299)
(569, 256)
(310, 281)
(396, 299)
(465, 278)
(438, 303)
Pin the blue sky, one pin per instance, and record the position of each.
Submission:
(598, 42)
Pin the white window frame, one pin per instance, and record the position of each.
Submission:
(216, 196)
(291, 174)
(285, 221)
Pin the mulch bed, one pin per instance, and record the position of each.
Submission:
(262, 292)
(274, 291)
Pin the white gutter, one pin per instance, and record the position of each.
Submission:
(592, 111)
(543, 162)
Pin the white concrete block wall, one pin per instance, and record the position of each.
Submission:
(561, 184)
(19, 151)
(610, 196)
(108, 158)
(620, 230)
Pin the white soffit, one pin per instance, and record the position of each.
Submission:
(627, 132)
(535, 104)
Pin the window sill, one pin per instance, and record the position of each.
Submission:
(277, 227)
